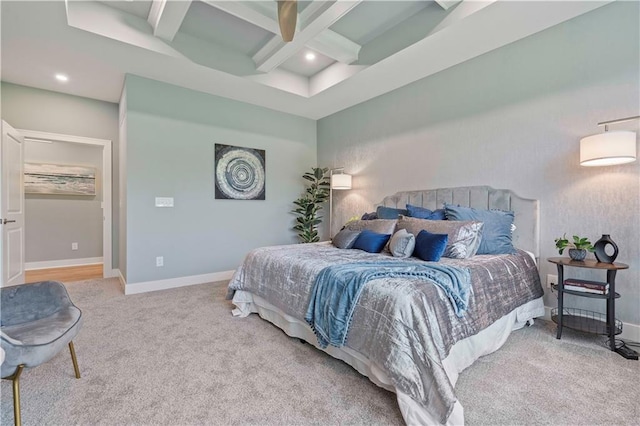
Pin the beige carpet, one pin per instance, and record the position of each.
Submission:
(178, 357)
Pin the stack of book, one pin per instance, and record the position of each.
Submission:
(584, 286)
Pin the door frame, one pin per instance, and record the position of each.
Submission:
(107, 224)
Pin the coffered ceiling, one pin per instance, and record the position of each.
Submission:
(361, 49)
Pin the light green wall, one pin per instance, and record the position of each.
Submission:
(513, 118)
(35, 109)
(171, 134)
(54, 222)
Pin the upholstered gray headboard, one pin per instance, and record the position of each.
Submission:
(527, 218)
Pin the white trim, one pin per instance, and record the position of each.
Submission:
(63, 263)
(147, 286)
(59, 137)
(123, 282)
(107, 193)
(166, 17)
(113, 273)
(629, 331)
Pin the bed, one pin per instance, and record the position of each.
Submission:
(404, 335)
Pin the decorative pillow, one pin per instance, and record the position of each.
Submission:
(369, 216)
(463, 237)
(438, 215)
(402, 244)
(430, 247)
(389, 212)
(345, 239)
(381, 226)
(370, 241)
(424, 213)
(496, 233)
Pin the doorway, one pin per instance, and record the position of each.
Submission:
(105, 204)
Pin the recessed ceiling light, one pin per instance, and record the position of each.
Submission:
(62, 77)
(310, 56)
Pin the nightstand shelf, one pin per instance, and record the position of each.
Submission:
(579, 293)
(585, 321)
(588, 321)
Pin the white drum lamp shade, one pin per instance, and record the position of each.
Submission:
(341, 181)
(608, 148)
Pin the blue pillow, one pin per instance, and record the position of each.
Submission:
(438, 215)
(430, 247)
(389, 212)
(423, 213)
(496, 232)
(371, 241)
(369, 216)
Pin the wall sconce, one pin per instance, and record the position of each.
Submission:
(339, 181)
(609, 148)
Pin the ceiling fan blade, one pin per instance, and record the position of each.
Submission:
(287, 17)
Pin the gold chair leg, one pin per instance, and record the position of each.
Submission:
(75, 361)
(16, 395)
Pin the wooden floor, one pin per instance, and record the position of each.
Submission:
(65, 275)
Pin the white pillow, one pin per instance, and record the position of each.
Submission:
(402, 244)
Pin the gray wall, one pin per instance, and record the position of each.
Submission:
(34, 109)
(513, 118)
(53, 222)
(171, 134)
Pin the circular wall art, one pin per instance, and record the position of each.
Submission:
(239, 173)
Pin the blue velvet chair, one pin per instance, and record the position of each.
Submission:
(36, 322)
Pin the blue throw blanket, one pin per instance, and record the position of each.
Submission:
(338, 287)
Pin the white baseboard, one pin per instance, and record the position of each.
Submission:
(629, 331)
(147, 286)
(30, 266)
(113, 273)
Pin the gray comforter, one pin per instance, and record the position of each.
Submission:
(406, 326)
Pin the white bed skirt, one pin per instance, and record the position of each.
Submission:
(461, 355)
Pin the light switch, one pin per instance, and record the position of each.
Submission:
(164, 201)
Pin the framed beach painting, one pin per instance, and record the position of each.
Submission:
(239, 173)
(59, 179)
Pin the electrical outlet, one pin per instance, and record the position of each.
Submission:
(74, 246)
(159, 261)
(552, 279)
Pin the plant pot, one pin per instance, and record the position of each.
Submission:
(577, 254)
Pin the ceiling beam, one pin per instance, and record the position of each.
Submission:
(327, 42)
(314, 19)
(446, 4)
(246, 13)
(166, 17)
(335, 46)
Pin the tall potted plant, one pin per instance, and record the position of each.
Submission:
(310, 204)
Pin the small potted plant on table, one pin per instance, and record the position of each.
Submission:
(577, 248)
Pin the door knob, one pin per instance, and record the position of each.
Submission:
(5, 221)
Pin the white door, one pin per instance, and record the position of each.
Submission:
(11, 206)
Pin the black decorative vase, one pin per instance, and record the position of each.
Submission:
(600, 252)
